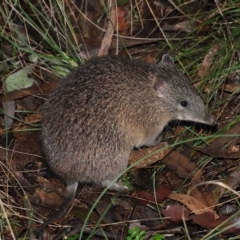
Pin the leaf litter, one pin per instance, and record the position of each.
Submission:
(161, 202)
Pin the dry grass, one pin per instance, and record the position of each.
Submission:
(54, 36)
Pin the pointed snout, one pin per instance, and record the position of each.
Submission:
(211, 120)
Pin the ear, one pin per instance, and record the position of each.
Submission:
(167, 60)
(160, 86)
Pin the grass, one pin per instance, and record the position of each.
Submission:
(52, 37)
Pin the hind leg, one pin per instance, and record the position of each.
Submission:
(116, 168)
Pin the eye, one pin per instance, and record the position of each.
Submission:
(184, 103)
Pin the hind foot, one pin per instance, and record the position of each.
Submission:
(117, 186)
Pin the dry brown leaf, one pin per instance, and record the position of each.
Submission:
(176, 212)
(192, 203)
(42, 89)
(231, 87)
(228, 140)
(213, 193)
(140, 153)
(32, 118)
(207, 61)
(182, 166)
(232, 180)
(122, 19)
(161, 194)
(209, 199)
(227, 87)
(208, 220)
(222, 153)
(49, 199)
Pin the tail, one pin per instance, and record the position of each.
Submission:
(67, 202)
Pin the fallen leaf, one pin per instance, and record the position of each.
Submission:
(231, 87)
(208, 60)
(207, 220)
(19, 80)
(209, 199)
(222, 142)
(161, 194)
(176, 212)
(121, 18)
(49, 199)
(32, 118)
(42, 89)
(183, 167)
(136, 155)
(144, 197)
(192, 203)
(221, 153)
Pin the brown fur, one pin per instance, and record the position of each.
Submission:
(109, 105)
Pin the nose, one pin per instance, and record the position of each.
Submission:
(212, 120)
